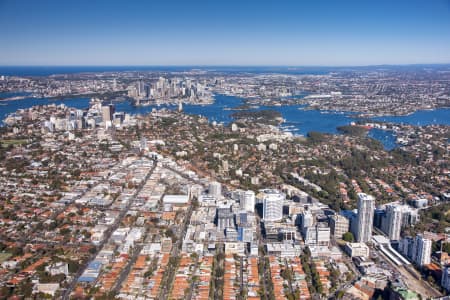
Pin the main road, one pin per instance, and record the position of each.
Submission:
(106, 236)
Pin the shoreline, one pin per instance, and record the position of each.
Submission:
(298, 131)
(305, 107)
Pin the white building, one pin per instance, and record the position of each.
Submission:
(422, 250)
(307, 220)
(366, 207)
(394, 218)
(247, 200)
(58, 268)
(318, 235)
(283, 249)
(272, 205)
(46, 288)
(176, 199)
(357, 249)
(235, 248)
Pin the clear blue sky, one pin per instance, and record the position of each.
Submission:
(229, 32)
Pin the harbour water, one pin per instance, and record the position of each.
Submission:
(297, 120)
(8, 107)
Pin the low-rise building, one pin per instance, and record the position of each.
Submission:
(357, 249)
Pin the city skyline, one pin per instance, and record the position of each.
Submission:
(265, 33)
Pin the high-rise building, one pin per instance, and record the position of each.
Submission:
(318, 235)
(366, 207)
(422, 250)
(339, 225)
(273, 205)
(405, 246)
(245, 234)
(225, 217)
(215, 189)
(394, 215)
(107, 112)
(306, 220)
(141, 88)
(247, 200)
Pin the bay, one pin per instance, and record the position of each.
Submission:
(298, 120)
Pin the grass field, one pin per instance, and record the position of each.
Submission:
(4, 256)
(6, 143)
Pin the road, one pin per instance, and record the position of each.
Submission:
(169, 274)
(220, 249)
(124, 274)
(241, 274)
(291, 289)
(185, 176)
(193, 283)
(262, 260)
(107, 235)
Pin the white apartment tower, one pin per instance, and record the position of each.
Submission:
(366, 207)
(394, 216)
(422, 250)
(273, 205)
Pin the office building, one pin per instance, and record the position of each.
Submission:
(357, 249)
(215, 189)
(306, 220)
(317, 235)
(245, 234)
(107, 112)
(247, 200)
(225, 217)
(339, 225)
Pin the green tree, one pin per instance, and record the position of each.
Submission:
(348, 237)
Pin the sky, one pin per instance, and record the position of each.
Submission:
(231, 32)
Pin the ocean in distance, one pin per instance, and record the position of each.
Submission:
(291, 70)
(297, 120)
(30, 71)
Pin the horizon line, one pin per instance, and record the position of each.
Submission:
(227, 65)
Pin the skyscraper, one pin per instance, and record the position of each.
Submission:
(225, 217)
(273, 205)
(307, 220)
(247, 200)
(394, 221)
(215, 189)
(422, 250)
(107, 112)
(366, 206)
